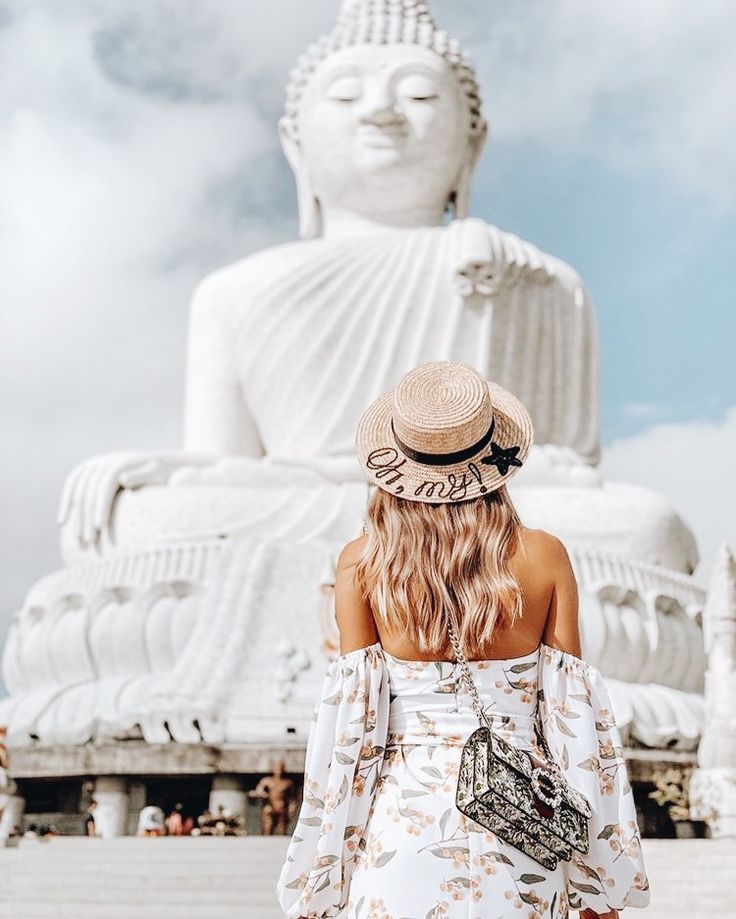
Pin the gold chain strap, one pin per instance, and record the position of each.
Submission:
(475, 699)
(477, 702)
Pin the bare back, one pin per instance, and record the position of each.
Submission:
(549, 597)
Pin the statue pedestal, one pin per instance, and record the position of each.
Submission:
(228, 793)
(176, 642)
(11, 814)
(111, 813)
(713, 799)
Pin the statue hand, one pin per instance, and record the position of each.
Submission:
(157, 469)
(90, 488)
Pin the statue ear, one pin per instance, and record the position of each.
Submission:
(310, 223)
(460, 198)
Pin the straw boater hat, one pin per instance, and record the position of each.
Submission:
(443, 435)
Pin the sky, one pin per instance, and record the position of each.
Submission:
(138, 151)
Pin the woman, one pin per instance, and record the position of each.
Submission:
(379, 833)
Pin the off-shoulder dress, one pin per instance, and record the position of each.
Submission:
(378, 834)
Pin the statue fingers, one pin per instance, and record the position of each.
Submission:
(498, 253)
(71, 492)
(76, 515)
(102, 497)
(67, 494)
(530, 258)
(519, 267)
(93, 481)
(514, 273)
(516, 251)
(75, 484)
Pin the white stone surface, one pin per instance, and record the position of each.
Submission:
(713, 784)
(192, 579)
(111, 813)
(11, 814)
(613, 518)
(227, 792)
(183, 642)
(223, 878)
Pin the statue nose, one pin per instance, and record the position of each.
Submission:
(383, 115)
(380, 108)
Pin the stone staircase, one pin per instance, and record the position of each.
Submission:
(129, 878)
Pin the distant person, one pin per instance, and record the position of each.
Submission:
(151, 821)
(90, 827)
(8, 789)
(278, 795)
(175, 821)
(4, 761)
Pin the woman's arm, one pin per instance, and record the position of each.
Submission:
(561, 629)
(352, 610)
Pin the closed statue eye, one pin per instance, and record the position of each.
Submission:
(418, 88)
(345, 89)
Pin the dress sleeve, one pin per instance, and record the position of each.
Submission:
(345, 748)
(582, 735)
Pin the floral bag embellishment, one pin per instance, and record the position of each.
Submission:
(502, 458)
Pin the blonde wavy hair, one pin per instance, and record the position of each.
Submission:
(423, 562)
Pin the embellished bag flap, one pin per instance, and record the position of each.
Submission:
(523, 764)
(477, 799)
(507, 791)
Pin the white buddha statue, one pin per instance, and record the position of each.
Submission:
(185, 569)
(382, 129)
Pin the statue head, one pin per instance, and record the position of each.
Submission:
(382, 117)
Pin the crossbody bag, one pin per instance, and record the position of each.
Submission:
(523, 799)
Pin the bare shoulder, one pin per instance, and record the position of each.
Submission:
(541, 546)
(550, 560)
(352, 610)
(351, 553)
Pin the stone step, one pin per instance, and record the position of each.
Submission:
(128, 878)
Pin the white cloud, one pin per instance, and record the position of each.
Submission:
(693, 464)
(638, 410)
(645, 85)
(138, 149)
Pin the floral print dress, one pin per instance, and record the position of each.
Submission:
(378, 834)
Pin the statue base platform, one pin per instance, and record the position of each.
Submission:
(225, 642)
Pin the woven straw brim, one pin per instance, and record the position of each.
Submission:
(387, 467)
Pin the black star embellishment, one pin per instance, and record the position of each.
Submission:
(502, 458)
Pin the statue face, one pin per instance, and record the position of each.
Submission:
(384, 126)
